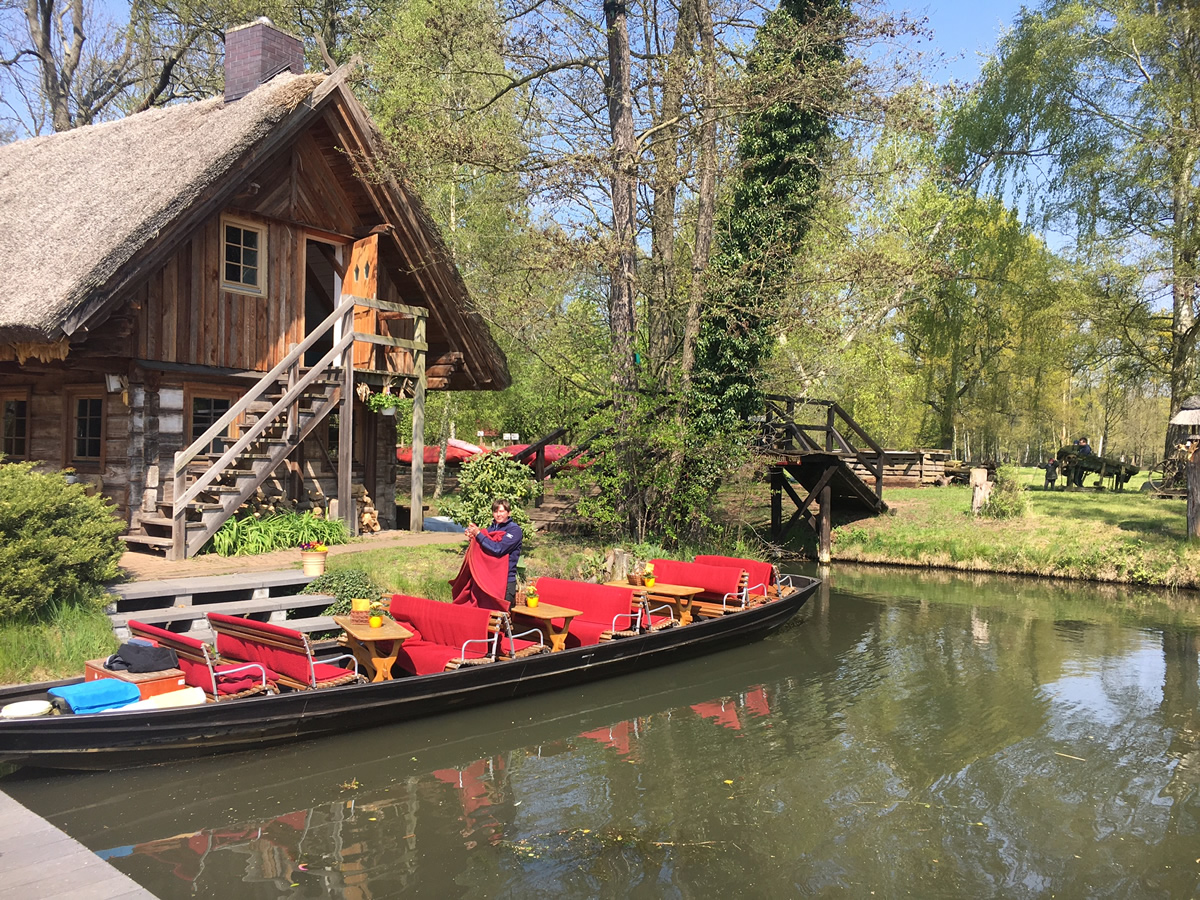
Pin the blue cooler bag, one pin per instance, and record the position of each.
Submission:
(96, 696)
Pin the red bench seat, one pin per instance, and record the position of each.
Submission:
(604, 609)
(445, 635)
(284, 650)
(724, 586)
(219, 681)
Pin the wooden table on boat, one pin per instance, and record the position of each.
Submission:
(542, 618)
(678, 596)
(363, 641)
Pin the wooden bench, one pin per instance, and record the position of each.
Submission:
(285, 651)
(725, 587)
(606, 611)
(219, 681)
(763, 580)
(446, 636)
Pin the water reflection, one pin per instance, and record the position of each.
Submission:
(963, 737)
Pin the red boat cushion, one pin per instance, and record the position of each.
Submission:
(294, 664)
(238, 681)
(599, 604)
(581, 632)
(717, 581)
(425, 658)
(760, 575)
(440, 630)
(441, 623)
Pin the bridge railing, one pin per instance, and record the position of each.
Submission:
(787, 428)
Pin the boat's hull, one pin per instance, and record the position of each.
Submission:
(117, 740)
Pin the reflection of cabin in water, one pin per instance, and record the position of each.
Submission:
(158, 267)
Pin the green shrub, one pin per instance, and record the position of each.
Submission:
(345, 584)
(488, 477)
(251, 535)
(1008, 499)
(57, 545)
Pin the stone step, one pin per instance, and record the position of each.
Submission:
(196, 612)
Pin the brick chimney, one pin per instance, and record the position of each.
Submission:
(257, 52)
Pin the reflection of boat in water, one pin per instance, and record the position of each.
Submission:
(121, 739)
(327, 840)
(103, 809)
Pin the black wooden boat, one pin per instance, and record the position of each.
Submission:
(123, 739)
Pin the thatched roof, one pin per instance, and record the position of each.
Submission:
(76, 206)
(1189, 412)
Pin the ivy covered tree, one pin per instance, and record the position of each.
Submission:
(795, 71)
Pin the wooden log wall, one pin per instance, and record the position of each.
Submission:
(50, 398)
(183, 316)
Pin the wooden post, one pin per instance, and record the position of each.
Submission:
(981, 489)
(416, 517)
(777, 477)
(346, 428)
(1193, 501)
(825, 527)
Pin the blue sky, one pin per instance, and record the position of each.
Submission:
(963, 30)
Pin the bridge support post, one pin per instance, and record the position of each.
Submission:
(824, 527)
(777, 477)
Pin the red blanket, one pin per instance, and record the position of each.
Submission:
(483, 578)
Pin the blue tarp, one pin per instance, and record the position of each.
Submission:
(98, 695)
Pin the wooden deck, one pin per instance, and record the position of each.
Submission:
(39, 860)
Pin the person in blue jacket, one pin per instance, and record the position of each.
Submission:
(508, 544)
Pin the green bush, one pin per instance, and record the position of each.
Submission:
(57, 545)
(345, 584)
(251, 535)
(1008, 499)
(488, 477)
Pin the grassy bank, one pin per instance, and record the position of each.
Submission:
(1126, 536)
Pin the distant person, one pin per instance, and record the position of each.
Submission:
(1051, 468)
(1083, 448)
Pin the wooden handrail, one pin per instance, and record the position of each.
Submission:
(184, 457)
(265, 421)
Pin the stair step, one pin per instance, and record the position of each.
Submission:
(167, 521)
(147, 540)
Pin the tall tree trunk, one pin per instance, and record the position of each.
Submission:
(706, 191)
(624, 262)
(1183, 297)
(665, 150)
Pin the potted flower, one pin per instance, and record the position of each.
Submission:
(312, 557)
(379, 614)
(69, 475)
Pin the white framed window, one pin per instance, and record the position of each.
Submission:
(244, 257)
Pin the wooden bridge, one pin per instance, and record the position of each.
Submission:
(820, 448)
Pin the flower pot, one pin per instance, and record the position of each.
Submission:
(360, 610)
(313, 561)
(388, 410)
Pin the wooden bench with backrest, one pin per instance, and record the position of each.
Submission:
(446, 636)
(219, 681)
(724, 587)
(606, 611)
(285, 651)
(764, 581)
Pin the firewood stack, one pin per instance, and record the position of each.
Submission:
(368, 515)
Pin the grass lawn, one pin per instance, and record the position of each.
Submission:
(1125, 536)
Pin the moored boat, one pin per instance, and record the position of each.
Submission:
(121, 739)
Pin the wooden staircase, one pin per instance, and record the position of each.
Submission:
(234, 483)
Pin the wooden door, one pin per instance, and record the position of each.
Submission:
(362, 280)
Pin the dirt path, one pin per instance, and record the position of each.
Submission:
(139, 566)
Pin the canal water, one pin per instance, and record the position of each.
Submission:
(911, 734)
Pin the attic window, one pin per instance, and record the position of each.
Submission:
(245, 257)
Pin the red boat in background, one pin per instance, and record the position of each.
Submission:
(554, 453)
